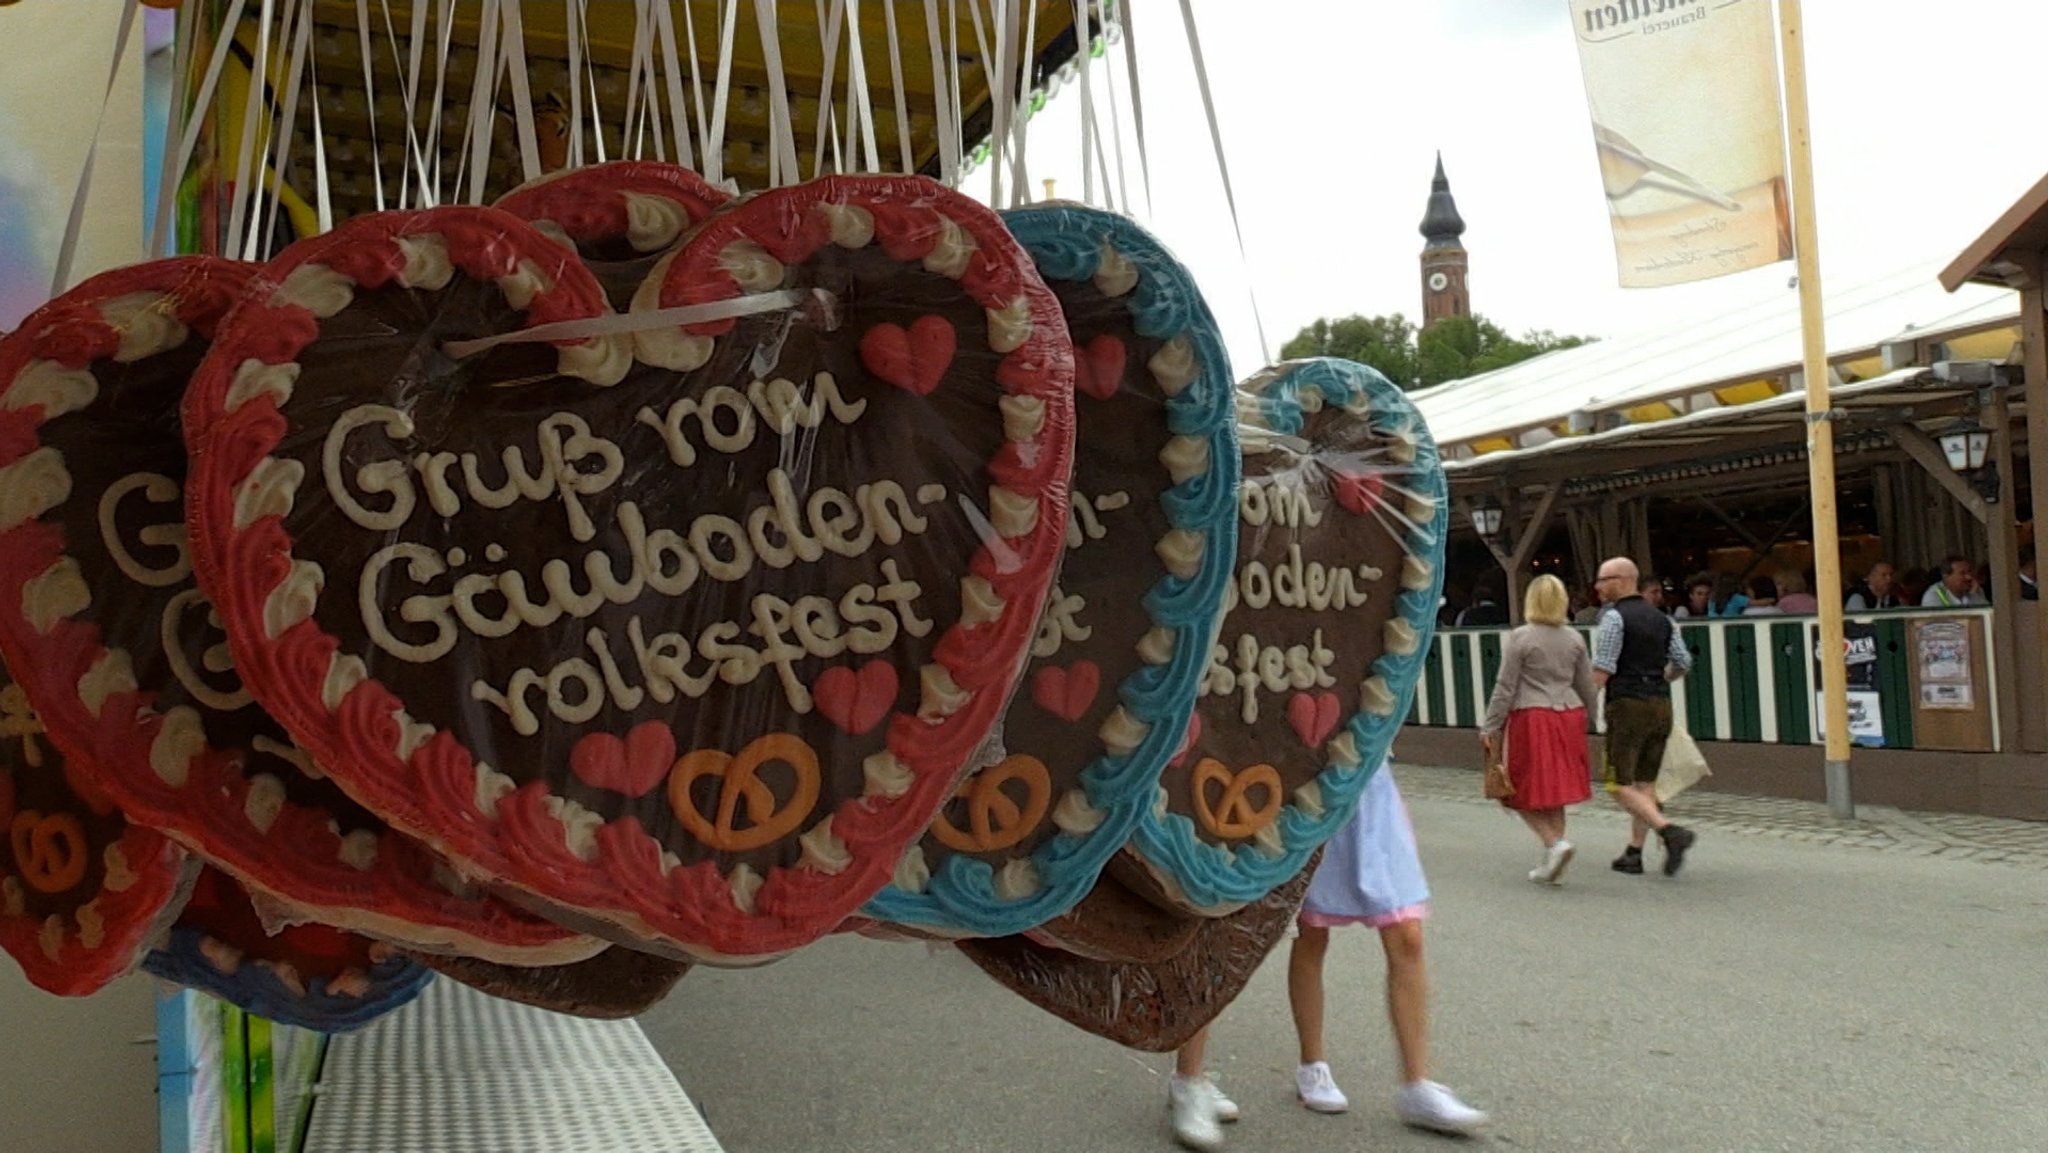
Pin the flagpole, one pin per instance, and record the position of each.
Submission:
(1820, 433)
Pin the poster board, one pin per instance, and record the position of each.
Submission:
(1947, 666)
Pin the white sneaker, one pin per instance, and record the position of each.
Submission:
(1318, 1090)
(1555, 859)
(1226, 1109)
(1193, 1104)
(1428, 1105)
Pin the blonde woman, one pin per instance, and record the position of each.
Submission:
(1539, 705)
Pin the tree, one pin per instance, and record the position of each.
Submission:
(1451, 349)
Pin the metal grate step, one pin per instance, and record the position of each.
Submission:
(460, 1072)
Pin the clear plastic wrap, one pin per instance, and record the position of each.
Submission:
(126, 661)
(311, 976)
(1123, 638)
(686, 620)
(1150, 1005)
(1339, 566)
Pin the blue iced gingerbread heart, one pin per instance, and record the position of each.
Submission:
(310, 976)
(1329, 612)
(1105, 698)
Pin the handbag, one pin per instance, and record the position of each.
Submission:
(1496, 785)
(1683, 766)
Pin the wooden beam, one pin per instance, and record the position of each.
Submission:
(2034, 335)
(1531, 536)
(2002, 554)
(1922, 449)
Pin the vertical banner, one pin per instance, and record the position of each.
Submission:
(1689, 135)
(1866, 703)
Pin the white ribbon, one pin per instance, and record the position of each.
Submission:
(906, 159)
(1187, 12)
(67, 252)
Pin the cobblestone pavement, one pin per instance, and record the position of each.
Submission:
(1956, 836)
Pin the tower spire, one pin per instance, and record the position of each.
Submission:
(1441, 224)
(1446, 290)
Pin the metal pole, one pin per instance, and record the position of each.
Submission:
(1820, 434)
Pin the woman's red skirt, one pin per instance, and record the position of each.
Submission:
(1547, 758)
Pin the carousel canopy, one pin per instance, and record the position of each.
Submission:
(825, 86)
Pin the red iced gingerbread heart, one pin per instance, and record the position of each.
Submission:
(632, 766)
(856, 701)
(1066, 692)
(1099, 368)
(694, 526)
(913, 360)
(1313, 715)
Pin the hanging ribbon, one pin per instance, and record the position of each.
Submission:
(906, 161)
(1187, 12)
(67, 252)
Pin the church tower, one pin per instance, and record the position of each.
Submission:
(1444, 288)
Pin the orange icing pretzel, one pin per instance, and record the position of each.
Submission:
(994, 820)
(49, 850)
(740, 783)
(1233, 815)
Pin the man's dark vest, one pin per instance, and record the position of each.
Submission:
(1645, 650)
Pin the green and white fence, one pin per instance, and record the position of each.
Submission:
(1752, 678)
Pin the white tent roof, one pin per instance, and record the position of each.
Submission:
(1757, 340)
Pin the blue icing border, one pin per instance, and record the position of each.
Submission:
(1066, 243)
(1209, 876)
(257, 990)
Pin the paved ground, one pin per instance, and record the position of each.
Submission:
(1807, 984)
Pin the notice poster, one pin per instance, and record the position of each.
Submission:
(1866, 702)
(1689, 135)
(1942, 649)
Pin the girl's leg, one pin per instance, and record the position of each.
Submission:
(1407, 997)
(1187, 1060)
(1305, 989)
(1539, 824)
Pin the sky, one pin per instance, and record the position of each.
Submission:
(1332, 113)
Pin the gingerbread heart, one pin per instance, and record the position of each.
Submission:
(494, 553)
(127, 662)
(1328, 617)
(620, 216)
(616, 983)
(1120, 643)
(1153, 1005)
(308, 975)
(85, 889)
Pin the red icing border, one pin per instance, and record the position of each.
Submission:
(298, 858)
(430, 793)
(589, 203)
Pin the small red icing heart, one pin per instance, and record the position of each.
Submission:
(1357, 491)
(1099, 370)
(1188, 742)
(912, 360)
(1313, 716)
(632, 766)
(1066, 692)
(856, 701)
